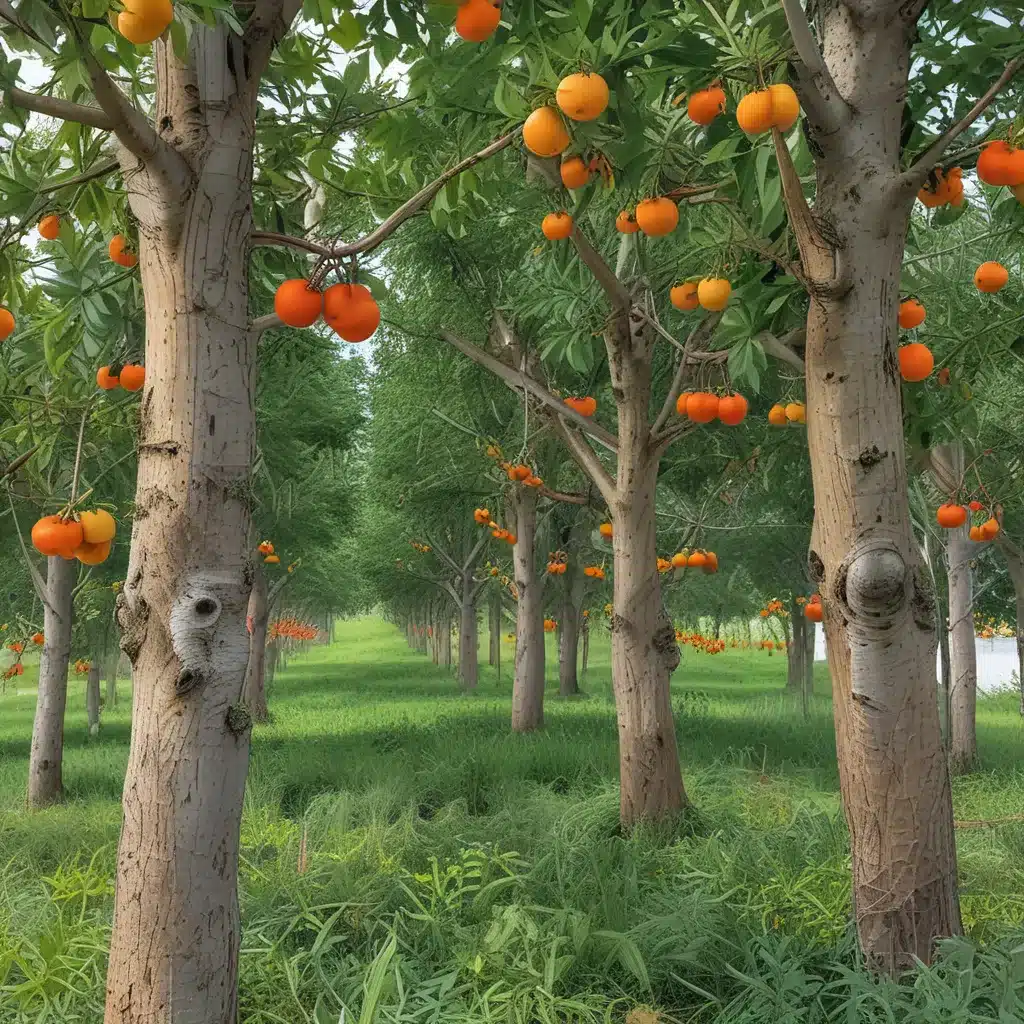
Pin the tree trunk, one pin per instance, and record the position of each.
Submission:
(878, 604)
(528, 682)
(1015, 565)
(272, 661)
(258, 613)
(469, 670)
(569, 633)
(644, 648)
(963, 693)
(807, 690)
(796, 650)
(585, 652)
(92, 697)
(446, 638)
(45, 784)
(175, 941)
(112, 658)
(494, 630)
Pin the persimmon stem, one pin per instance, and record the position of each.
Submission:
(78, 452)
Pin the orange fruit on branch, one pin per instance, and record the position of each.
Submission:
(583, 96)
(732, 409)
(684, 296)
(990, 277)
(999, 163)
(105, 379)
(584, 406)
(911, 314)
(625, 223)
(777, 416)
(785, 106)
(702, 406)
(705, 105)
(119, 252)
(976, 534)
(6, 323)
(544, 134)
(796, 412)
(605, 529)
(679, 560)
(476, 20)
(658, 216)
(975, 506)
(132, 377)
(989, 529)
(272, 560)
(52, 535)
(696, 559)
(49, 227)
(754, 112)
(351, 312)
(710, 562)
(297, 304)
(713, 293)
(557, 226)
(916, 361)
(38, 639)
(574, 172)
(949, 516)
(93, 554)
(98, 526)
(813, 611)
(142, 21)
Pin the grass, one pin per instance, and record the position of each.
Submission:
(454, 872)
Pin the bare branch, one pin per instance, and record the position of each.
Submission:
(586, 458)
(780, 347)
(16, 464)
(275, 591)
(819, 93)
(698, 338)
(99, 171)
(265, 323)
(474, 555)
(518, 380)
(388, 226)
(605, 276)
(267, 26)
(563, 496)
(918, 172)
(64, 110)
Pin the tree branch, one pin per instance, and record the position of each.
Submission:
(699, 336)
(16, 464)
(586, 458)
(388, 226)
(819, 93)
(443, 555)
(64, 110)
(100, 171)
(616, 291)
(563, 496)
(267, 26)
(780, 347)
(275, 591)
(518, 380)
(265, 323)
(914, 177)
(474, 555)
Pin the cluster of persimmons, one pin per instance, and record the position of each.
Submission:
(86, 536)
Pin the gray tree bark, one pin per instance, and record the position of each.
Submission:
(469, 663)
(1015, 566)
(258, 613)
(92, 697)
(963, 693)
(45, 780)
(528, 682)
(569, 631)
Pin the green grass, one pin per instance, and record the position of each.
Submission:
(458, 873)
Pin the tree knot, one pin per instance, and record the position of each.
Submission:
(874, 580)
(238, 719)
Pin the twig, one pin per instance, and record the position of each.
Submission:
(265, 323)
(38, 583)
(79, 179)
(616, 291)
(78, 451)
(698, 336)
(586, 458)
(387, 227)
(919, 170)
(16, 464)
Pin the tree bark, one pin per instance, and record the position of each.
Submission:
(45, 782)
(569, 632)
(92, 697)
(796, 651)
(1015, 566)
(112, 659)
(182, 611)
(878, 604)
(963, 693)
(258, 613)
(469, 666)
(585, 652)
(494, 629)
(446, 638)
(528, 682)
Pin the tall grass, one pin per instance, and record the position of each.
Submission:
(406, 858)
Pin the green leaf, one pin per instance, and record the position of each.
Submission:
(349, 31)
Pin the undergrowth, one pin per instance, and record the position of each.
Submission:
(406, 859)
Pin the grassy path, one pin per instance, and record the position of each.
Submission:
(385, 805)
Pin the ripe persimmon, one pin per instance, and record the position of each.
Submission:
(975, 506)
(272, 560)
(705, 105)
(754, 112)
(105, 379)
(777, 416)
(976, 535)
(132, 376)
(297, 304)
(584, 406)
(702, 407)
(999, 163)
(583, 96)
(519, 472)
(556, 226)
(989, 528)
(49, 227)
(911, 314)
(98, 526)
(796, 412)
(119, 252)
(990, 277)
(625, 223)
(605, 529)
(916, 361)
(949, 516)
(785, 106)
(813, 611)
(92, 554)
(6, 323)
(476, 20)
(710, 562)
(142, 21)
(544, 134)
(732, 409)
(351, 311)
(53, 535)
(679, 558)
(713, 293)
(38, 639)
(696, 559)
(533, 481)
(684, 296)
(265, 547)
(658, 216)
(575, 173)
